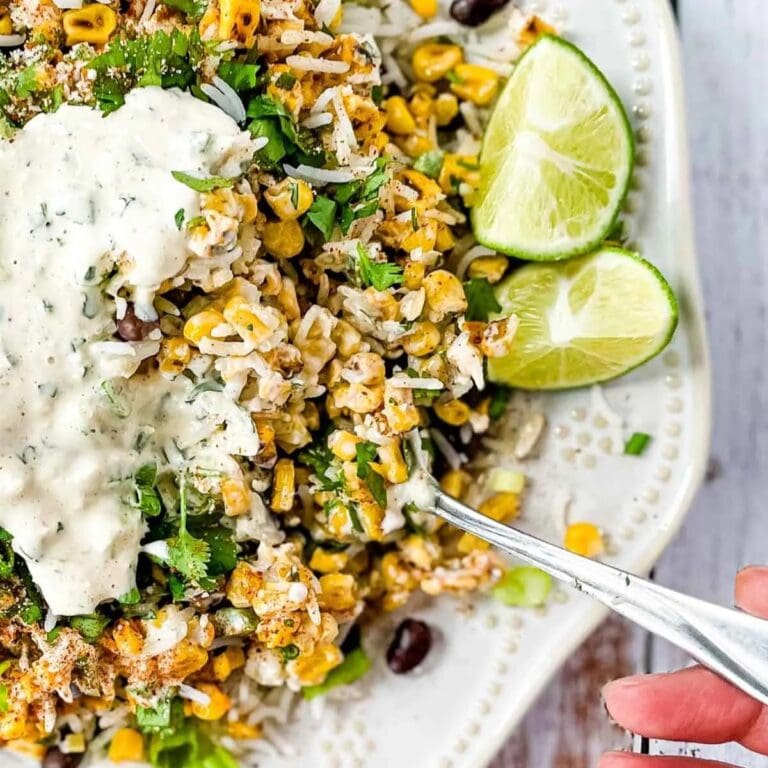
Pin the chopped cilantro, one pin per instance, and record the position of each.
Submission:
(147, 498)
(481, 300)
(453, 78)
(430, 163)
(203, 185)
(187, 554)
(239, 74)
(285, 81)
(319, 458)
(194, 9)
(4, 697)
(7, 555)
(380, 274)
(131, 597)
(499, 401)
(637, 444)
(354, 518)
(356, 664)
(90, 626)
(178, 218)
(365, 453)
(322, 214)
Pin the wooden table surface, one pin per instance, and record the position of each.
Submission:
(725, 45)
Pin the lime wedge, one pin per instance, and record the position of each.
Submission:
(556, 159)
(582, 321)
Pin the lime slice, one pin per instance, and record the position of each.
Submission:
(584, 320)
(556, 159)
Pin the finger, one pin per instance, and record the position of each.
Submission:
(691, 705)
(624, 760)
(752, 590)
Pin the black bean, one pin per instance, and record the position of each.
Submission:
(55, 758)
(130, 328)
(409, 647)
(472, 13)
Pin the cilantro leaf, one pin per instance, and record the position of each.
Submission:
(481, 300)
(187, 554)
(193, 8)
(147, 498)
(131, 597)
(430, 163)
(178, 219)
(7, 555)
(365, 453)
(380, 274)
(90, 626)
(239, 74)
(322, 214)
(320, 459)
(356, 664)
(203, 184)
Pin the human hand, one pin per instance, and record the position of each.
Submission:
(692, 705)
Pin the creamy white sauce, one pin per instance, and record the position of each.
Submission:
(82, 195)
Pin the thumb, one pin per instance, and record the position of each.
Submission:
(752, 590)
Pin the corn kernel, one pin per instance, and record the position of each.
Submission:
(415, 144)
(468, 542)
(240, 730)
(501, 506)
(444, 291)
(188, 658)
(347, 338)
(283, 239)
(445, 239)
(343, 444)
(239, 314)
(433, 61)
(584, 539)
(423, 339)
(284, 487)
(244, 583)
(289, 199)
(236, 496)
(422, 104)
(458, 169)
(128, 640)
(492, 268)
(201, 325)
(216, 708)
(475, 83)
(93, 23)
(423, 238)
(127, 746)
(227, 662)
(312, 669)
(238, 21)
(324, 561)
(173, 356)
(446, 109)
(425, 8)
(413, 275)
(455, 482)
(399, 118)
(534, 28)
(6, 25)
(393, 463)
(453, 412)
(337, 591)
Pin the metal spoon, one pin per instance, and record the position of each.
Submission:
(731, 643)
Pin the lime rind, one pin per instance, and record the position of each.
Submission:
(499, 165)
(636, 331)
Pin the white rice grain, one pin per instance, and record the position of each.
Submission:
(311, 64)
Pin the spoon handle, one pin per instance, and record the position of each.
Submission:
(731, 643)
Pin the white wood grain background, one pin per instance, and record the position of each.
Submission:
(725, 45)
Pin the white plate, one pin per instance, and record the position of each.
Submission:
(491, 662)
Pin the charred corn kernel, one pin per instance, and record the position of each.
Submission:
(423, 238)
(244, 584)
(337, 591)
(188, 658)
(503, 505)
(445, 239)
(240, 730)
(227, 662)
(413, 275)
(283, 239)
(240, 315)
(6, 25)
(173, 356)
(429, 190)
(128, 639)
(289, 199)
(218, 704)
(420, 551)
(394, 573)
(492, 268)
(238, 20)
(584, 539)
(423, 339)
(455, 483)
(425, 8)
(93, 23)
(201, 325)
(343, 444)
(415, 144)
(312, 669)
(324, 561)
(433, 61)
(399, 118)
(127, 746)
(284, 487)
(444, 291)
(236, 496)
(457, 170)
(446, 108)
(249, 207)
(468, 542)
(422, 105)
(399, 409)
(534, 28)
(475, 83)
(393, 463)
(338, 520)
(347, 338)
(454, 412)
